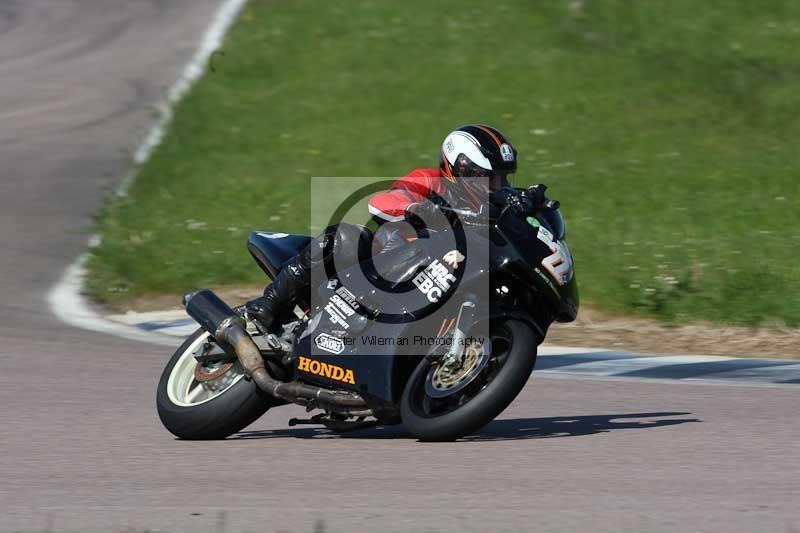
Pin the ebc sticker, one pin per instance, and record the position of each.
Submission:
(434, 281)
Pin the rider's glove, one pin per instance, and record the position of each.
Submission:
(540, 200)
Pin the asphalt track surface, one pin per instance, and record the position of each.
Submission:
(81, 447)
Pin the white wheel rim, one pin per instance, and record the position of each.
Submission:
(182, 388)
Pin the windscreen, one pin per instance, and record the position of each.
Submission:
(553, 221)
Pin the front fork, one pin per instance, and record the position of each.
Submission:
(464, 322)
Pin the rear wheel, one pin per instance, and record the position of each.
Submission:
(442, 403)
(210, 400)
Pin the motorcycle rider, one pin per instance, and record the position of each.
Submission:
(474, 160)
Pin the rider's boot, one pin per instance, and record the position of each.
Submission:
(290, 287)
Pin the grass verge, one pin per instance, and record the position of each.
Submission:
(667, 129)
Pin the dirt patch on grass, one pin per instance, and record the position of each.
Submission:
(595, 329)
(166, 302)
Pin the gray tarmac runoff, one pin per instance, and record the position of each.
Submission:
(593, 443)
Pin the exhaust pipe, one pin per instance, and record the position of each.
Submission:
(229, 329)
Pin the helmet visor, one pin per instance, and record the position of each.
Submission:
(491, 179)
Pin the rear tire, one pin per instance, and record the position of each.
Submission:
(518, 362)
(217, 417)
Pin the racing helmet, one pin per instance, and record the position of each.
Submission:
(479, 157)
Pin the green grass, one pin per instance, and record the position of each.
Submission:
(668, 129)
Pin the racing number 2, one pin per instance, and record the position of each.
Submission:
(559, 265)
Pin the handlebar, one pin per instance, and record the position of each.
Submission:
(531, 199)
(527, 201)
(460, 212)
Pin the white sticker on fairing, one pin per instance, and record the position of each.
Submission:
(559, 265)
(274, 235)
(348, 297)
(434, 281)
(329, 343)
(336, 316)
(341, 306)
(453, 258)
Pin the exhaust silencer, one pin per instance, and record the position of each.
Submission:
(208, 310)
(229, 329)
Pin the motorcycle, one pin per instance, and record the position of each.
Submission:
(477, 298)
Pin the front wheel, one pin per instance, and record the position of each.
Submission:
(439, 404)
(210, 400)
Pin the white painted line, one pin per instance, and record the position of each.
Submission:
(540, 374)
(762, 374)
(65, 298)
(630, 364)
(134, 318)
(182, 331)
(68, 304)
(549, 349)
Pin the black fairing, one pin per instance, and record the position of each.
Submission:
(272, 250)
(521, 254)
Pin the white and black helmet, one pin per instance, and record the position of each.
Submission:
(478, 151)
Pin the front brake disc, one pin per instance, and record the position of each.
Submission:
(444, 380)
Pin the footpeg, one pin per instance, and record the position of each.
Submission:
(278, 344)
(334, 424)
(314, 420)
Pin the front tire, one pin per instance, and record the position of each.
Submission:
(513, 356)
(210, 410)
